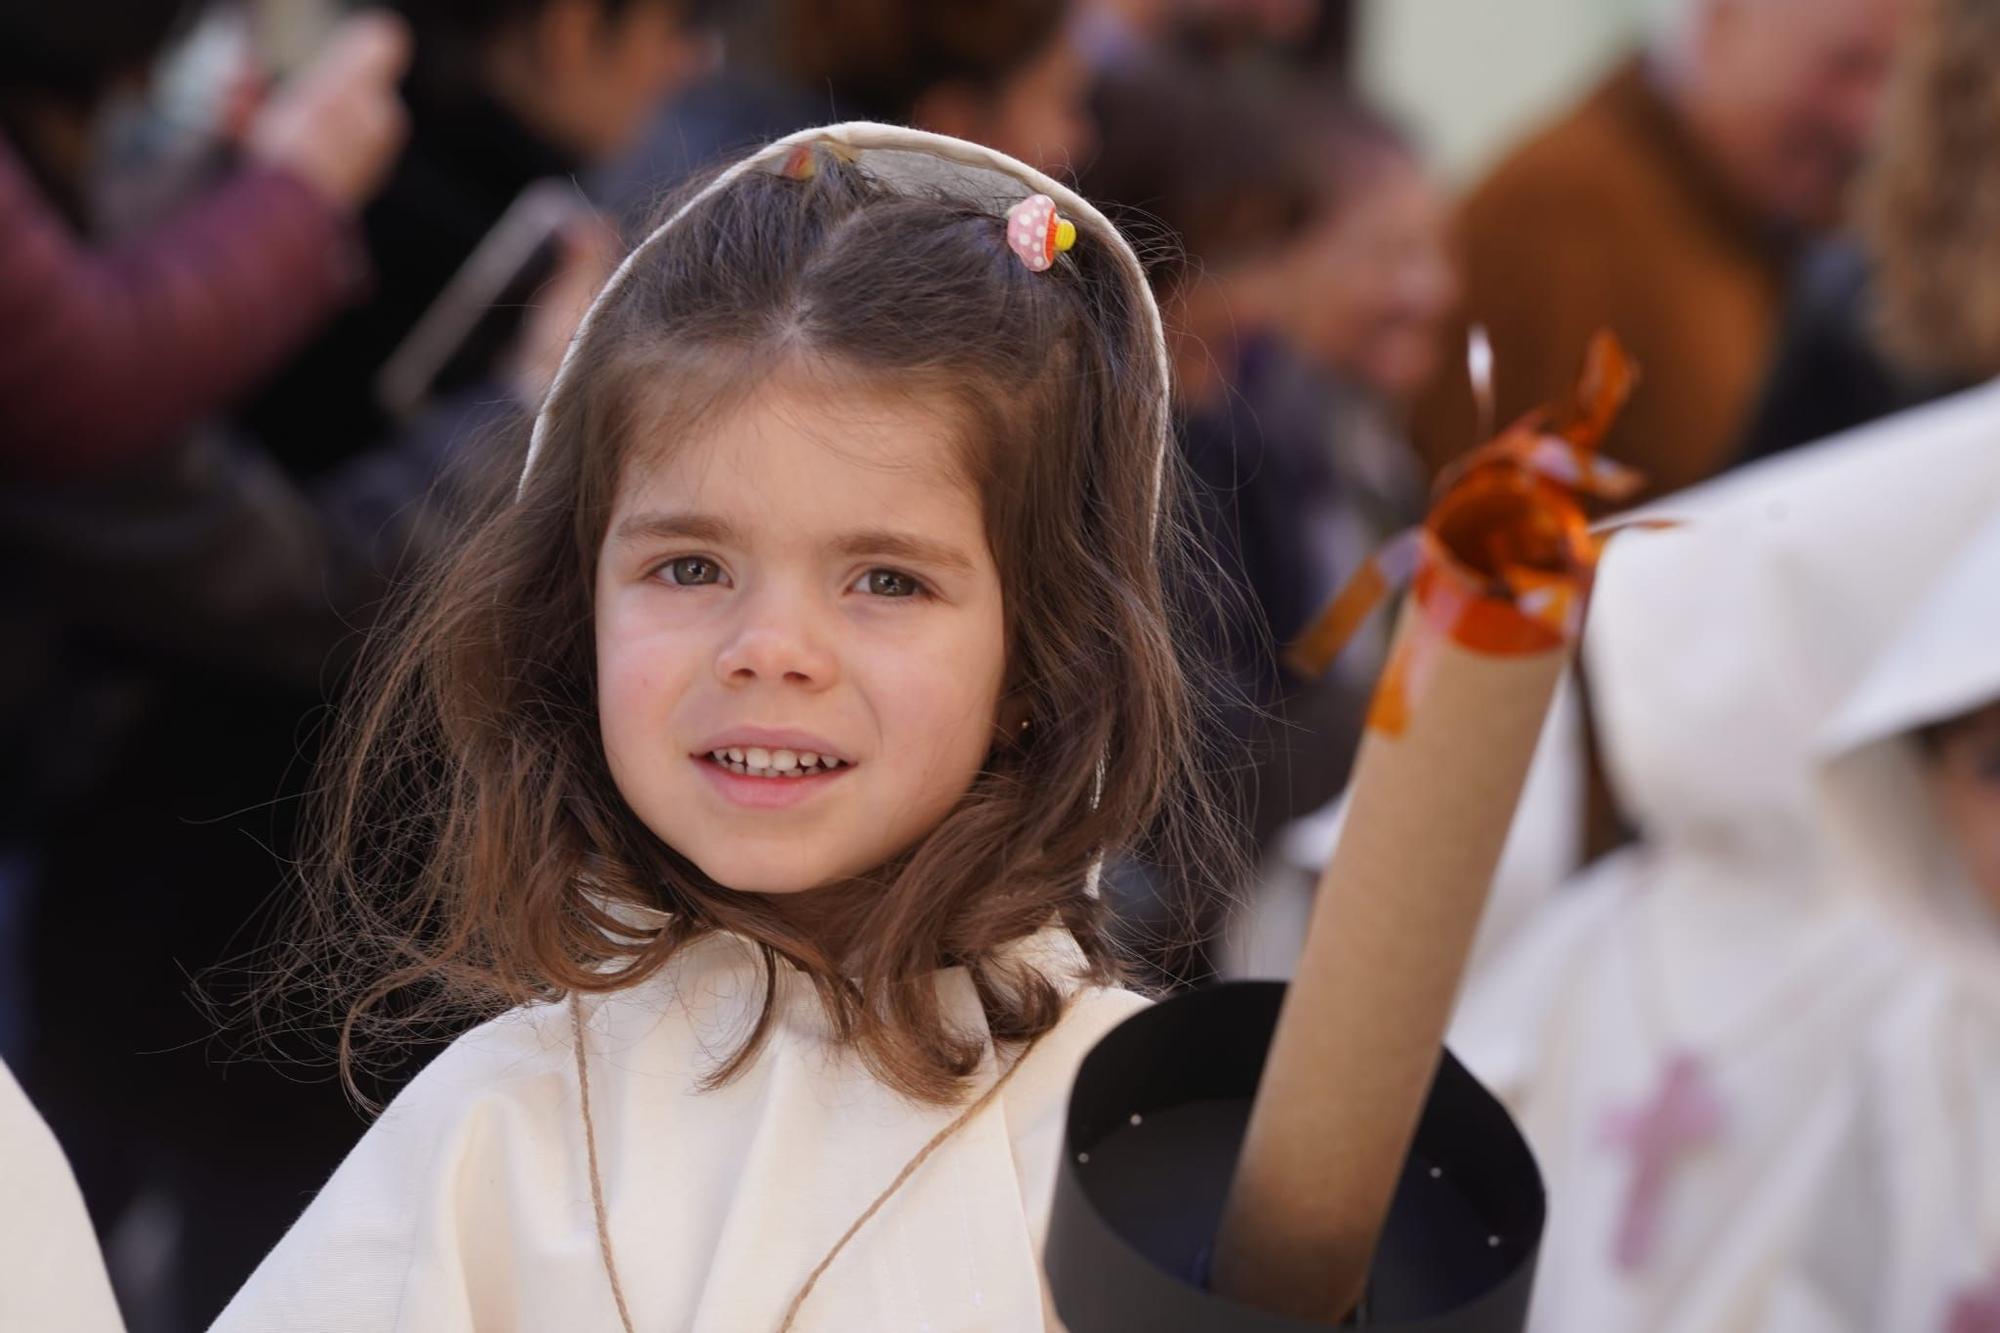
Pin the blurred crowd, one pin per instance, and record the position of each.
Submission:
(282, 279)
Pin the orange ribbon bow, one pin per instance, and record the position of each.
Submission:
(1504, 561)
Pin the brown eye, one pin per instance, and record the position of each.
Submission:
(692, 571)
(889, 583)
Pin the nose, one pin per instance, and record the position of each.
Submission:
(776, 638)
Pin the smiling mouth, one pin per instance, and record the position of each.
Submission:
(757, 762)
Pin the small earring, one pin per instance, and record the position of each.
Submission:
(1026, 723)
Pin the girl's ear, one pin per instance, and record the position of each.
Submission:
(1013, 724)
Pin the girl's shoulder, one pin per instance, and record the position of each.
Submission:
(517, 1068)
(1042, 1085)
(1092, 1012)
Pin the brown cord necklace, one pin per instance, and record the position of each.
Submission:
(812, 1279)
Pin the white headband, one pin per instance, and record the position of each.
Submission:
(897, 153)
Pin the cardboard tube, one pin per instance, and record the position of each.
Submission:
(1357, 1042)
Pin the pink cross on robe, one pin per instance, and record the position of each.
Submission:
(1683, 1113)
(1978, 1310)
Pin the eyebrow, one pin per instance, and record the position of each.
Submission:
(903, 546)
(654, 525)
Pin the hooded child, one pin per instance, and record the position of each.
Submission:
(1906, 1229)
(1677, 1030)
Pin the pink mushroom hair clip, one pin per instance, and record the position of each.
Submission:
(1037, 233)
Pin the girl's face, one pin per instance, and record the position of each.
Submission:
(1965, 781)
(800, 643)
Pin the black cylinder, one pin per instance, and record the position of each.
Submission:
(1155, 1123)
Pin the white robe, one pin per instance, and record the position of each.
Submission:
(51, 1273)
(1719, 653)
(467, 1205)
(1911, 1224)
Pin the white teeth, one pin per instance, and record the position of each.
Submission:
(776, 763)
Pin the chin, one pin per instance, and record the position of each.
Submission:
(757, 875)
(764, 879)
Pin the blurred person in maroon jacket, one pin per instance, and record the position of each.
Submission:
(173, 619)
(1303, 280)
(115, 353)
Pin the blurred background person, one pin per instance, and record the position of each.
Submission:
(1670, 205)
(1309, 38)
(1908, 308)
(184, 317)
(501, 96)
(181, 617)
(1011, 76)
(117, 351)
(1303, 275)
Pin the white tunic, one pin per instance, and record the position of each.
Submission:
(1907, 1235)
(467, 1205)
(51, 1274)
(1719, 656)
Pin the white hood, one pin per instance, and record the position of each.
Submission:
(1945, 662)
(1717, 652)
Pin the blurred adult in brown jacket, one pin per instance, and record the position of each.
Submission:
(1669, 206)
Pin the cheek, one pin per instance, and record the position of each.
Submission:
(941, 702)
(1982, 831)
(641, 673)
(627, 691)
(626, 682)
(1971, 815)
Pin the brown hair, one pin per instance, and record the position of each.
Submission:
(1929, 202)
(475, 853)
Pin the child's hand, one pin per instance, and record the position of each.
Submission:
(588, 250)
(339, 123)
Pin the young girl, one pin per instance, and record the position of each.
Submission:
(759, 749)
(762, 752)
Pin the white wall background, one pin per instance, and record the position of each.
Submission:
(1471, 77)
